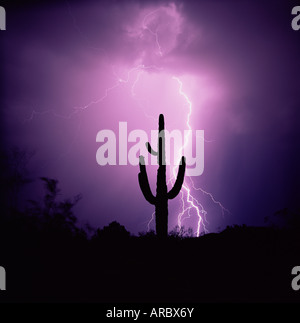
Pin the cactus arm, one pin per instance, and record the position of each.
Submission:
(179, 180)
(144, 183)
(150, 150)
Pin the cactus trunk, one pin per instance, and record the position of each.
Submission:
(161, 205)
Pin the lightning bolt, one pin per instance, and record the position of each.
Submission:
(155, 34)
(191, 202)
(77, 110)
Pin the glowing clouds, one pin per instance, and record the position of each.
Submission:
(155, 33)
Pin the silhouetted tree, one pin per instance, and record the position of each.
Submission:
(162, 195)
(113, 231)
(14, 175)
(55, 215)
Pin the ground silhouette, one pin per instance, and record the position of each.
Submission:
(49, 258)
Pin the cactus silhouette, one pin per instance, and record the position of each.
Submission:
(162, 195)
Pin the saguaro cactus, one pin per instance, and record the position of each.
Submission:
(162, 195)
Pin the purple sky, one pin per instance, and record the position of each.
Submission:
(72, 68)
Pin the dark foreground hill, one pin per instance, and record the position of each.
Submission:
(240, 264)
